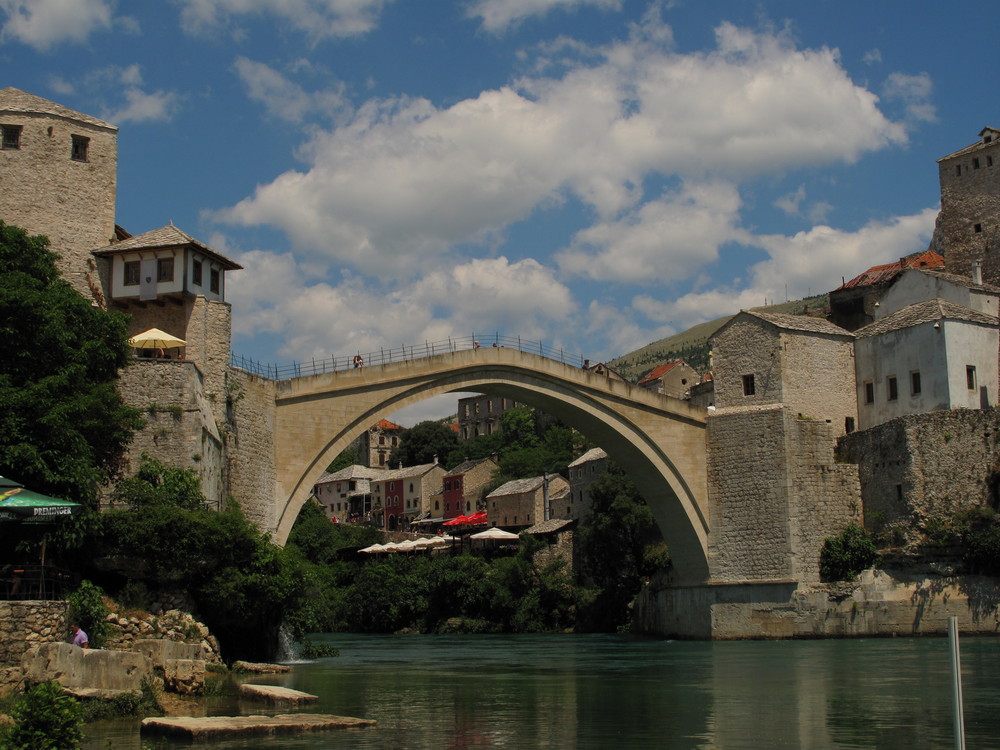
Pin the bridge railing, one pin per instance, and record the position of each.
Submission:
(384, 356)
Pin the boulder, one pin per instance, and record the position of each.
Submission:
(184, 676)
(259, 668)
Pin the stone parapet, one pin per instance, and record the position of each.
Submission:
(109, 673)
(26, 624)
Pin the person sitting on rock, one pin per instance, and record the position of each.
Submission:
(79, 637)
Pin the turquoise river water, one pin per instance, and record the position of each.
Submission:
(619, 692)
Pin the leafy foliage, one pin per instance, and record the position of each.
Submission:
(979, 531)
(63, 427)
(155, 483)
(44, 719)
(620, 545)
(843, 557)
(86, 609)
(422, 442)
(346, 458)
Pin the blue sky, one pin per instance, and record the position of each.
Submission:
(594, 173)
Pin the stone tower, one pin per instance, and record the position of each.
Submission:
(58, 171)
(968, 226)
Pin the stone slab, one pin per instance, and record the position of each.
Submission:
(222, 727)
(260, 668)
(274, 695)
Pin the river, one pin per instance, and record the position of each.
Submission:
(621, 692)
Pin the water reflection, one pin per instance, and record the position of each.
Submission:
(618, 692)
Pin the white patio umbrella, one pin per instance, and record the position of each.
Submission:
(495, 533)
(154, 338)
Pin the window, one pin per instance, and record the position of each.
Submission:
(11, 137)
(411, 486)
(196, 273)
(849, 425)
(890, 383)
(869, 392)
(970, 377)
(977, 228)
(131, 277)
(958, 170)
(214, 278)
(989, 161)
(164, 269)
(80, 149)
(447, 485)
(975, 163)
(915, 383)
(749, 389)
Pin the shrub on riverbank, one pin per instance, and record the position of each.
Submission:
(843, 557)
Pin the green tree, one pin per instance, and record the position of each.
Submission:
(843, 557)
(621, 546)
(155, 483)
(422, 443)
(44, 719)
(346, 458)
(63, 427)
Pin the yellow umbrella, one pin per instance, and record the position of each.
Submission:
(154, 338)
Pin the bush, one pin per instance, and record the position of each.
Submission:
(844, 557)
(86, 609)
(44, 719)
(980, 534)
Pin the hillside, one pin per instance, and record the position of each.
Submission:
(692, 345)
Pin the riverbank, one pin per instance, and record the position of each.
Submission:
(881, 602)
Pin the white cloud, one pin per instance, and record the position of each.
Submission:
(315, 18)
(499, 15)
(282, 97)
(143, 107)
(322, 319)
(915, 93)
(872, 56)
(44, 23)
(404, 181)
(807, 263)
(668, 238)
(794, 204)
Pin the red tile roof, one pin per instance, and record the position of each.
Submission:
(385, 424)
(889, 271)
(659, 371)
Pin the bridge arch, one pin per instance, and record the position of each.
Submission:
(659, 440)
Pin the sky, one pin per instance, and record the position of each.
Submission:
(594, 174)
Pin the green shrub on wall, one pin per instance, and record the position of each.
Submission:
(86, 609)
(843, 557)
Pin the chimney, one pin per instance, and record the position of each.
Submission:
(977, 272)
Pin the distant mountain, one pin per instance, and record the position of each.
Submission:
(692, 345)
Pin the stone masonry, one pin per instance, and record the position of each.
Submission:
(251, 448)
(74, 205)
(775, 494)
(926, 465)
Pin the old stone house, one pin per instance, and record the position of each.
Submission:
(404, 494)
(521, 503)
(462, 487)
(58, 177)
(583, 471)
(481, 415)
(375, 445)
(346, 495)
(804, 363)
(673, 379)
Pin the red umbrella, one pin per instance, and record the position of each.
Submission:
(457, 521)
(477, 518)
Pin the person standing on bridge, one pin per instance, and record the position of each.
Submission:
(358, 362)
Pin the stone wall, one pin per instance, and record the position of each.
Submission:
(881, 603)
(46, 192)
(25, 624)
(250, 442)
(923, 465)
(818, 378)
(748, 494)
(775, 494)
(180, 426)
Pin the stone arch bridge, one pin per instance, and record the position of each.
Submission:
(659, 440)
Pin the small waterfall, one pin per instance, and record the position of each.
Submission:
(288, 650)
